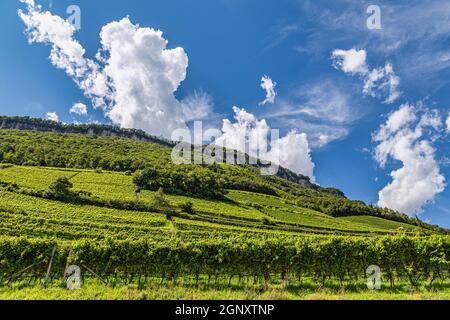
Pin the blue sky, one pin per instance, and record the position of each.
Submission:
(231, 44)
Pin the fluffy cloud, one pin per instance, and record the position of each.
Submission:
(351, 61)
(43, 27)
(52, 116)
(293, 153)
(144, 75)
(79, 109)
(378, 82)
(133, 78)
(404, 138)
(250, 135)
(268, 85)
(66, 53)
(246, 128)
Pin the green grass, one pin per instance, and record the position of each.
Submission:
(94, 290)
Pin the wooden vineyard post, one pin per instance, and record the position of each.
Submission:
(49, 269)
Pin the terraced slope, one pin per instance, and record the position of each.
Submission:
(240, 211)
(102, 161)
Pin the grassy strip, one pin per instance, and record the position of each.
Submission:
(94, 290)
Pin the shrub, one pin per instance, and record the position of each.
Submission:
(187, 180)
(159, 200)
(268, 222)
(61, 186)
(257, 206)
(169, 216)
(188, 207)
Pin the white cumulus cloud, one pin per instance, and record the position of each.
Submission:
(268, 85)
(52, 116)
(66, 53)
(293, 153)
(403, 137)
(379, 82)
(133, 78)
(79, 109)
(144, 75)
(351, 61)
(250, 135)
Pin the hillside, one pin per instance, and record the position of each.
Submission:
(42, 143)
(42, 125)
(114, 190)
(120, 209)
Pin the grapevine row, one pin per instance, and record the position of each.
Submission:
(416, 259)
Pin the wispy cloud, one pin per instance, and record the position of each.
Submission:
(280, 33)
(322, 110)
(197, 105)
(447, 122)
(414, 33)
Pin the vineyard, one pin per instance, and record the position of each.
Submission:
(263, 233)
(239, 206)
(323, 259)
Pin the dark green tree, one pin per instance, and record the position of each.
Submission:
(146, 179)
(188, 207)
(61, 186)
